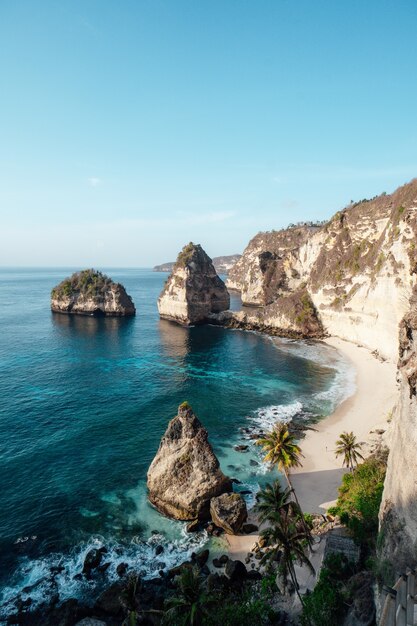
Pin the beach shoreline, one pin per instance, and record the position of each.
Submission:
(365, 411)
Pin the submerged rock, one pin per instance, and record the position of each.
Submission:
(229, 512)
(91, 293)
(193, 291)
(185, 473)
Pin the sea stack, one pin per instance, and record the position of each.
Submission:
(193, 291)
(185, 473)
(91, 293)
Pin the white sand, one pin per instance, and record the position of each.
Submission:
(317, 482)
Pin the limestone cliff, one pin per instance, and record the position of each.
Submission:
(291, 315)
(91, 293)
(185, 473)
(398, 515)
(193, 291)
(359, 269)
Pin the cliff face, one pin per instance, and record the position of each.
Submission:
(398, 515)
(359, 269)
(193, 291)
(185, 473)
(91, 293)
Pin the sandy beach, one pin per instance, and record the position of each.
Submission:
(366, 410)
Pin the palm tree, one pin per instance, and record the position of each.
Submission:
(271, 500)
(348, 447)
(189, 606)
(286, 542)
(282, 450)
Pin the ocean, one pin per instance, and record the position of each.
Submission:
(83, 404)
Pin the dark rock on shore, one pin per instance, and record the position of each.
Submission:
(229, 512)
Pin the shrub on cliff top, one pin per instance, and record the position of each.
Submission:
(90, 282)
(360, 498)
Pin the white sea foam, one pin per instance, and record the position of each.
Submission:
(344, 383)
(266, 417)
(39, 580)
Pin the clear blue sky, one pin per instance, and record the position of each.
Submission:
(130, 128)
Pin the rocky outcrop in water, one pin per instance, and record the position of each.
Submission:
(193, 291)
(185, 473)
(222, 264)
(91, 293)
(229, 512)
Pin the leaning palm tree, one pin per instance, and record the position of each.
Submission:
(189, 606)
(286, 543)
(271, 501)
(349, 448)
(283, 451)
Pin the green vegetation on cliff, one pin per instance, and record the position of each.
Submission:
(88, 282)
(359, 499)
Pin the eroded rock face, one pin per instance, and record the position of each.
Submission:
(185, 473)
(292, 315)
(91, 293)
(398, 514)
(359, 269)
(229, 512)
(193, 290)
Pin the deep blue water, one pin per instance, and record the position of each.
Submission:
(84, 402)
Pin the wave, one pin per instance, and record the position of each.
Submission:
(266, 417)
(43, 578)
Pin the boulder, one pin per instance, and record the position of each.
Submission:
(91, 293)
(249, 528)
(229, 512)
(185, 473)
(193, 291)
(93, 559)
(108, 602)
(90, 621)
(235, 571)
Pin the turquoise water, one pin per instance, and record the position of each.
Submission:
(84, 402)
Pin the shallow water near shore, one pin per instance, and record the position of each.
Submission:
(84, 402)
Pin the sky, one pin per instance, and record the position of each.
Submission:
(130, 128)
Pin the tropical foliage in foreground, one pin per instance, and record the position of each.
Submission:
(328, 603)
(281, 449)
(286, 538)
(359, 499)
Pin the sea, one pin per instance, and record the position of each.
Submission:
(84, 402)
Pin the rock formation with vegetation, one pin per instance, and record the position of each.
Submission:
(193, 291)
(185, 473)
(91, 293)
(359, 269)
(222, 264)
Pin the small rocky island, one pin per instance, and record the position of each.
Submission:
(90, 292)
(194, 290)
(185, 473)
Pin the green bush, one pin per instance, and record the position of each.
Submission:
(360, 498)
(327, 605)
(241, 611)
